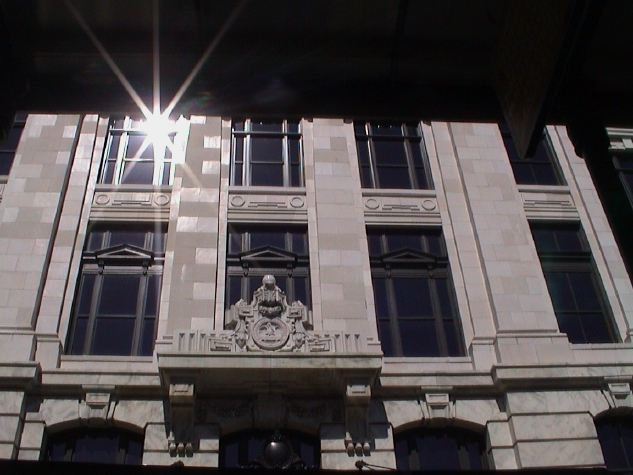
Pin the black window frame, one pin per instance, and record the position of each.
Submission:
(370, 133)
(625, 172)
(10, 144)
(140, 261)
(117, 165)
(245, 133)
(248, 262)
(62, 446)
(425, 261)
(470, 450)
(615, 434)
(543, 157)
(245, 448)
(566, 261)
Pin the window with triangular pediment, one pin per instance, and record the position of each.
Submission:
(413, 293)
(254, 252)
(116, 303)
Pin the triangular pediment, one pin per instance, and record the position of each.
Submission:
(268, 253)
(124, 253)
(408, 256)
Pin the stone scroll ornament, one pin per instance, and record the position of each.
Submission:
(269, 323)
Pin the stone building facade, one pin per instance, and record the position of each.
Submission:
(504, 320)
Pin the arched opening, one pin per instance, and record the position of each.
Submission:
(96, 445)
(270, 449)
(615, 434)
(440, 449)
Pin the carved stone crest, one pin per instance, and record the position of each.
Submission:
(269, 322)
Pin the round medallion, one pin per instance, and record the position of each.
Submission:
(270, 333)
(102, 199)
(371, 203)
(161, 200)
(237, 201)
(429, 205)
(296, 202)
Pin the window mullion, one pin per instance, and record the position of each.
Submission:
(140, 310)
(440, 335)
(393, 316)
(286, 158)
(373, 166)
(94, 306)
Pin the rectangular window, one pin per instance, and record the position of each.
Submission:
(267, 153)
(537, 169)
(9, 145)
(116, 304)
(413, 293)
(573, 284)
(132, 157)
(254, 252)
(623, 162)
(391, 155)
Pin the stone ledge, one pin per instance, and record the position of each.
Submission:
(18, 375)
(298, 373)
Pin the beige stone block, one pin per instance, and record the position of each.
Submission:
(561, 453)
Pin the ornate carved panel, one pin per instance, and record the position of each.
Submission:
(548, 204)
(380, 208)
(245, 205)
(130, 204)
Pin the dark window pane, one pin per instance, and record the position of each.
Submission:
(234, 290)
(559, 290)
(363, 152)
(139, 147)
(452, 338)
(119, 295)
(147, 337)
(295, 176)
(613, 445)
(544, 240)
(412, 297)
(568, 240)
(387, 129)
(238, 153)
(95, 241)
(266, 126)
(166, 173)
(85, 294)
(97, 449)
(158, 244)
(153, 295)
(134, 454)
(419, 338)
(389, 152)
(301, 293)
(375, 248)
(113, 336)
(446, 307)
(294, 151)
(384, 333)
(133, 238)
(584, 291)
(113, 151)
(541, 154)
(523, 173)
(435, 245)
(569, 323)
(544, 174)
(237, 175)
(359, 128)
(293, 126)
(397, 242)
(108, 174)
(366, 177)
(299, 243)
(79, 336)
(268, 238)
(6, 161)
(238, 125)
(412, 130)
(595, 328)
(235, 243)
(380, 297)
(392, 177)
(267, 175)
(267, 149)
(137, 173)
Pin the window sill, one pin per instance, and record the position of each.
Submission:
(267, 190)
(562, 189)
(101, 187)
(369, 192)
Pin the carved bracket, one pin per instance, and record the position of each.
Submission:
(619, 392)
(96, 404)
(357, 399)
(182, 402)
(438, 406)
